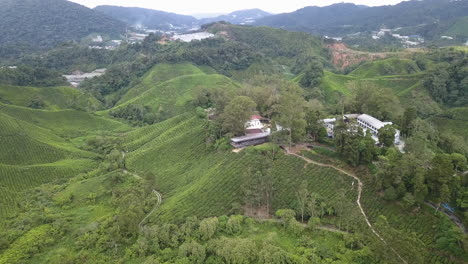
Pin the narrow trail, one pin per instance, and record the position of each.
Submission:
(158, 195)
(358, 201)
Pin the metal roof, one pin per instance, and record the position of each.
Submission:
(250, 137)
(370, 120)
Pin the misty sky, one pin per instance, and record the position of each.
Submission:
(191, 7)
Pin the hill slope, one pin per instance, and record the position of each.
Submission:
(431, 17)
(45, 23)
(169, 88)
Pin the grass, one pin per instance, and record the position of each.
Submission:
(69, 123)
(459, 28)
(161, 73)
(194, 180)
(386, 67)
(172, 95)
(37, 151)
(54, 98)
(334, 85)
(14, 180)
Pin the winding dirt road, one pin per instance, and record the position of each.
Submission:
(358, 201)
(158, 195)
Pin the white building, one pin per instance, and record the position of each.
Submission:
(372, 124)
(366, 122)
(193, 36)
(77, 77)
(329, 125)
(254, 125)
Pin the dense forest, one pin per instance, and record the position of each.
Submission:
(36, 24)
(428, 18)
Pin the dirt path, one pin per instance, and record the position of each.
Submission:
(358, 201)
(158, 203)
(158, 195)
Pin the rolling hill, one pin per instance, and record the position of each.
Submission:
(171, 88)
(428, 18)
(46, 23)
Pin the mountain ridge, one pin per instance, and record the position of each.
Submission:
(430, 17)
(50, 26)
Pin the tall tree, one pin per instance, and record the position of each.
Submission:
(409, 116)
(236, 113)
(302, 194)
(313, 75)
(387, 136)
(439, 177)
(291, 111)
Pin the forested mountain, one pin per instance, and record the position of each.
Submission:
(428, 18)
(153, 19)
(248, 16)
(45, 23)
(138, 165)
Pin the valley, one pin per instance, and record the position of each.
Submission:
(136, 164)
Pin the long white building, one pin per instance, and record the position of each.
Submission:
(372, 124)
(366, 122)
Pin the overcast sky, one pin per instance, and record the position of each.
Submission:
(190, 7)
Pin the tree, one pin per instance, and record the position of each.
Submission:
(459, 161)
(258, 184)
(285, 215)
(273, 255)
(234, 224)
(311, 205)
(291, 111)
(436, 83)
(379, 102)
(314, 126)
(302, 195)
(387, 136)
(313, 75)
(237, 113)
(367, 149)
(208, 227)
(419, 185)
(195, 252)
(439, 177)
(407, 120)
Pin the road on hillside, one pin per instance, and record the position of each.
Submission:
(158, 195)
(358, 201)
(457, 221)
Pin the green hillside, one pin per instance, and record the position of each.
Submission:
(69, 123)
(454, 120)
(44, 145)
(51, 98)
(196, 181)
(459, 28)
(47, 26)
(172, 95)
(158, 74)
(129, 168)
(392, 66)
(333, 85)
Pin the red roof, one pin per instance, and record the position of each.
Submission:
(255, 117)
